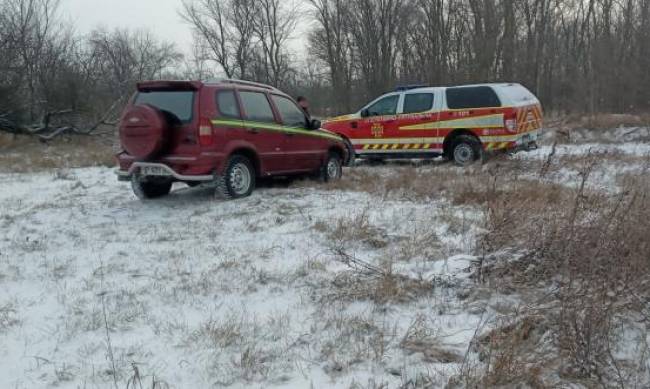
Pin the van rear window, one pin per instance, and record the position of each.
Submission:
(175, 104)
(472, 97)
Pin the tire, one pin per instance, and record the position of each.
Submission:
(466, 150)
(352, 156)
(146, 190)
(238, 179)
(332, 169)
(144, 131)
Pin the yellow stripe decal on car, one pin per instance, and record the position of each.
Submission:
(372, 141)
(277, 127)
(487, 121)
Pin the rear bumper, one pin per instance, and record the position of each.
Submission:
(137, 167)
(201, 167)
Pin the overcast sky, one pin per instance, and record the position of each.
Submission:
(158, 16)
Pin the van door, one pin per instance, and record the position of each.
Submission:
(418, 122)
(379, 128)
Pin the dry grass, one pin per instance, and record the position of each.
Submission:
(421, 337)
(356, 229)
(384, 288)
(584, 259)
(21, 153)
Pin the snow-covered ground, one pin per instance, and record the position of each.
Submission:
(198, 292)
(98, 289)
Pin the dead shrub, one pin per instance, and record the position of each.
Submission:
(514, 353)
(375, 283)
(421, 337)
(357, 229)
(587, 253)
(383, 289)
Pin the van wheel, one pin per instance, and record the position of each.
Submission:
(332, 169)
(467, 150)
(238, 179)
(145, 190)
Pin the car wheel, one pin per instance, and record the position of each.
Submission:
(332, 169)
(466, 150)
(238, 179)
(352, 156)
(145, 190)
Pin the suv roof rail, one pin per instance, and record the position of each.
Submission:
(401, 88)
(249, 83)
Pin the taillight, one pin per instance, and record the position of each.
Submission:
(510, 122)
(206, 136)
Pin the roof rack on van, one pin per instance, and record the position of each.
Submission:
(402, 88)
(249, 83)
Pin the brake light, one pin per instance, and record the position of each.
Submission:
(206, 136)
(510, 122)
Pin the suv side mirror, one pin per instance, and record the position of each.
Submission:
(365, 113)
(314, 124)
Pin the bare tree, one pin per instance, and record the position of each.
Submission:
(123, 58)
(331, 43)
(273, 27)
(225, 28)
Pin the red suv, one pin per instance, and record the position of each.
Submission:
(228, 132)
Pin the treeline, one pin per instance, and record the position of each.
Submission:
(46, 67)
(576, 55)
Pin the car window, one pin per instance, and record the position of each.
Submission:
(291, 114)
(472, 97)
(227, 104)
(175, 104)
(417, 102)
(256, 106)
(385, 106)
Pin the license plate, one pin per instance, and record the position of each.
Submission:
(154, 171)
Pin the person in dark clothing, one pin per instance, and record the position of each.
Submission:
(304, 104)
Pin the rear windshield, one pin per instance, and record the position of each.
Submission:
(175, 104)
(472, 97)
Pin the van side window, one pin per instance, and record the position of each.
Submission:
(417, 102)
(256, 106)
(291, 114)
(472, 97)
(227, 104)
(385, 106)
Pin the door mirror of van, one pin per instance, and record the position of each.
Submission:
(314, 124)
(365, 113)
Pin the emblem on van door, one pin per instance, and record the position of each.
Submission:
(377, 130)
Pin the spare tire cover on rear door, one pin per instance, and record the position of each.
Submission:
(143, 131)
